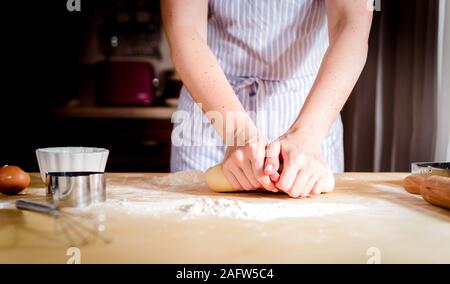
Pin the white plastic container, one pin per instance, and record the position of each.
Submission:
(71, 159)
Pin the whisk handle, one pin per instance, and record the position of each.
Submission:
(35, 206)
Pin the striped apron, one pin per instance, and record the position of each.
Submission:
(270, 51)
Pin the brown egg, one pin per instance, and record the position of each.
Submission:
(13, 180)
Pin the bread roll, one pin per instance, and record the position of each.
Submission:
(412, 183)
(436, 190)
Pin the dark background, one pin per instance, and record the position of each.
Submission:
(42, 69)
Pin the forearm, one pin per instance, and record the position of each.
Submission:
(208, 85)
(338, 74)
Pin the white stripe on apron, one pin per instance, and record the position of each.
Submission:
(271, 51)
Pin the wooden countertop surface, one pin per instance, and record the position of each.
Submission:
(369, 217)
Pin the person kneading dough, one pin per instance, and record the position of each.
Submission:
(268, 79)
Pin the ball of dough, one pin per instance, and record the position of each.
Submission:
(216, 180)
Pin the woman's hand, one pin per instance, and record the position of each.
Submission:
(304, 171)
(243, 166)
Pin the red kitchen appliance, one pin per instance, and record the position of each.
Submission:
(122, 83)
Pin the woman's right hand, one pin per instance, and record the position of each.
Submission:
(243, 166)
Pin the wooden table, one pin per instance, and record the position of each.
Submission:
(368, 218)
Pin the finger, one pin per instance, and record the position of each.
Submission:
(307, 188)
(249, 174)
(317, 189)
(234, 165)
(242, 179)
(272, 162)
(267, 184)
(287, 177)
(321, 181)
(257, 166)
(231, 179)
(299, 184)
(275, 177)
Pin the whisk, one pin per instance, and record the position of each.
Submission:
(78, 230)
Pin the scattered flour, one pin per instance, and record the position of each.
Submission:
(181, 194)
(7, 204)
(179, 178)
(259, 211)
(190, 208)
(172, 194)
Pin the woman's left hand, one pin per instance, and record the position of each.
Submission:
(304, 170)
